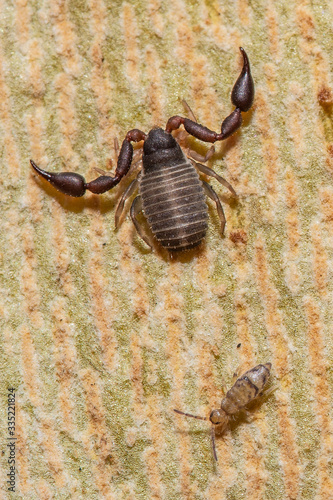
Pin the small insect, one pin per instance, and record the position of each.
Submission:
(245, 390)
(171, 194)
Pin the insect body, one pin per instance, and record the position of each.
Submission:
(247, 388)
(171, 195)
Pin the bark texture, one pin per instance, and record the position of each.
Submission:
(101, 338)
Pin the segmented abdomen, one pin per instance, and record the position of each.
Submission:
(174, 204)
(246, 388)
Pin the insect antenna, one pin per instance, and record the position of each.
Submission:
(212, 433)
(189, 415)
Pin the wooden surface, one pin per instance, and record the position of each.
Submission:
(103, 339)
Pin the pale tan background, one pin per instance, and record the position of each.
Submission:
(102, 338)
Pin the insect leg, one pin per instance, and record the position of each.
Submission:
(136, 208)
(213, 196)
(242, 97)
(126, 194)
(208, 171)
(74, 184)
(237, 373)
(268, 391)
(198, 157)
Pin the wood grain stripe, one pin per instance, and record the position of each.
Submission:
(279, 345)
(321, 400)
